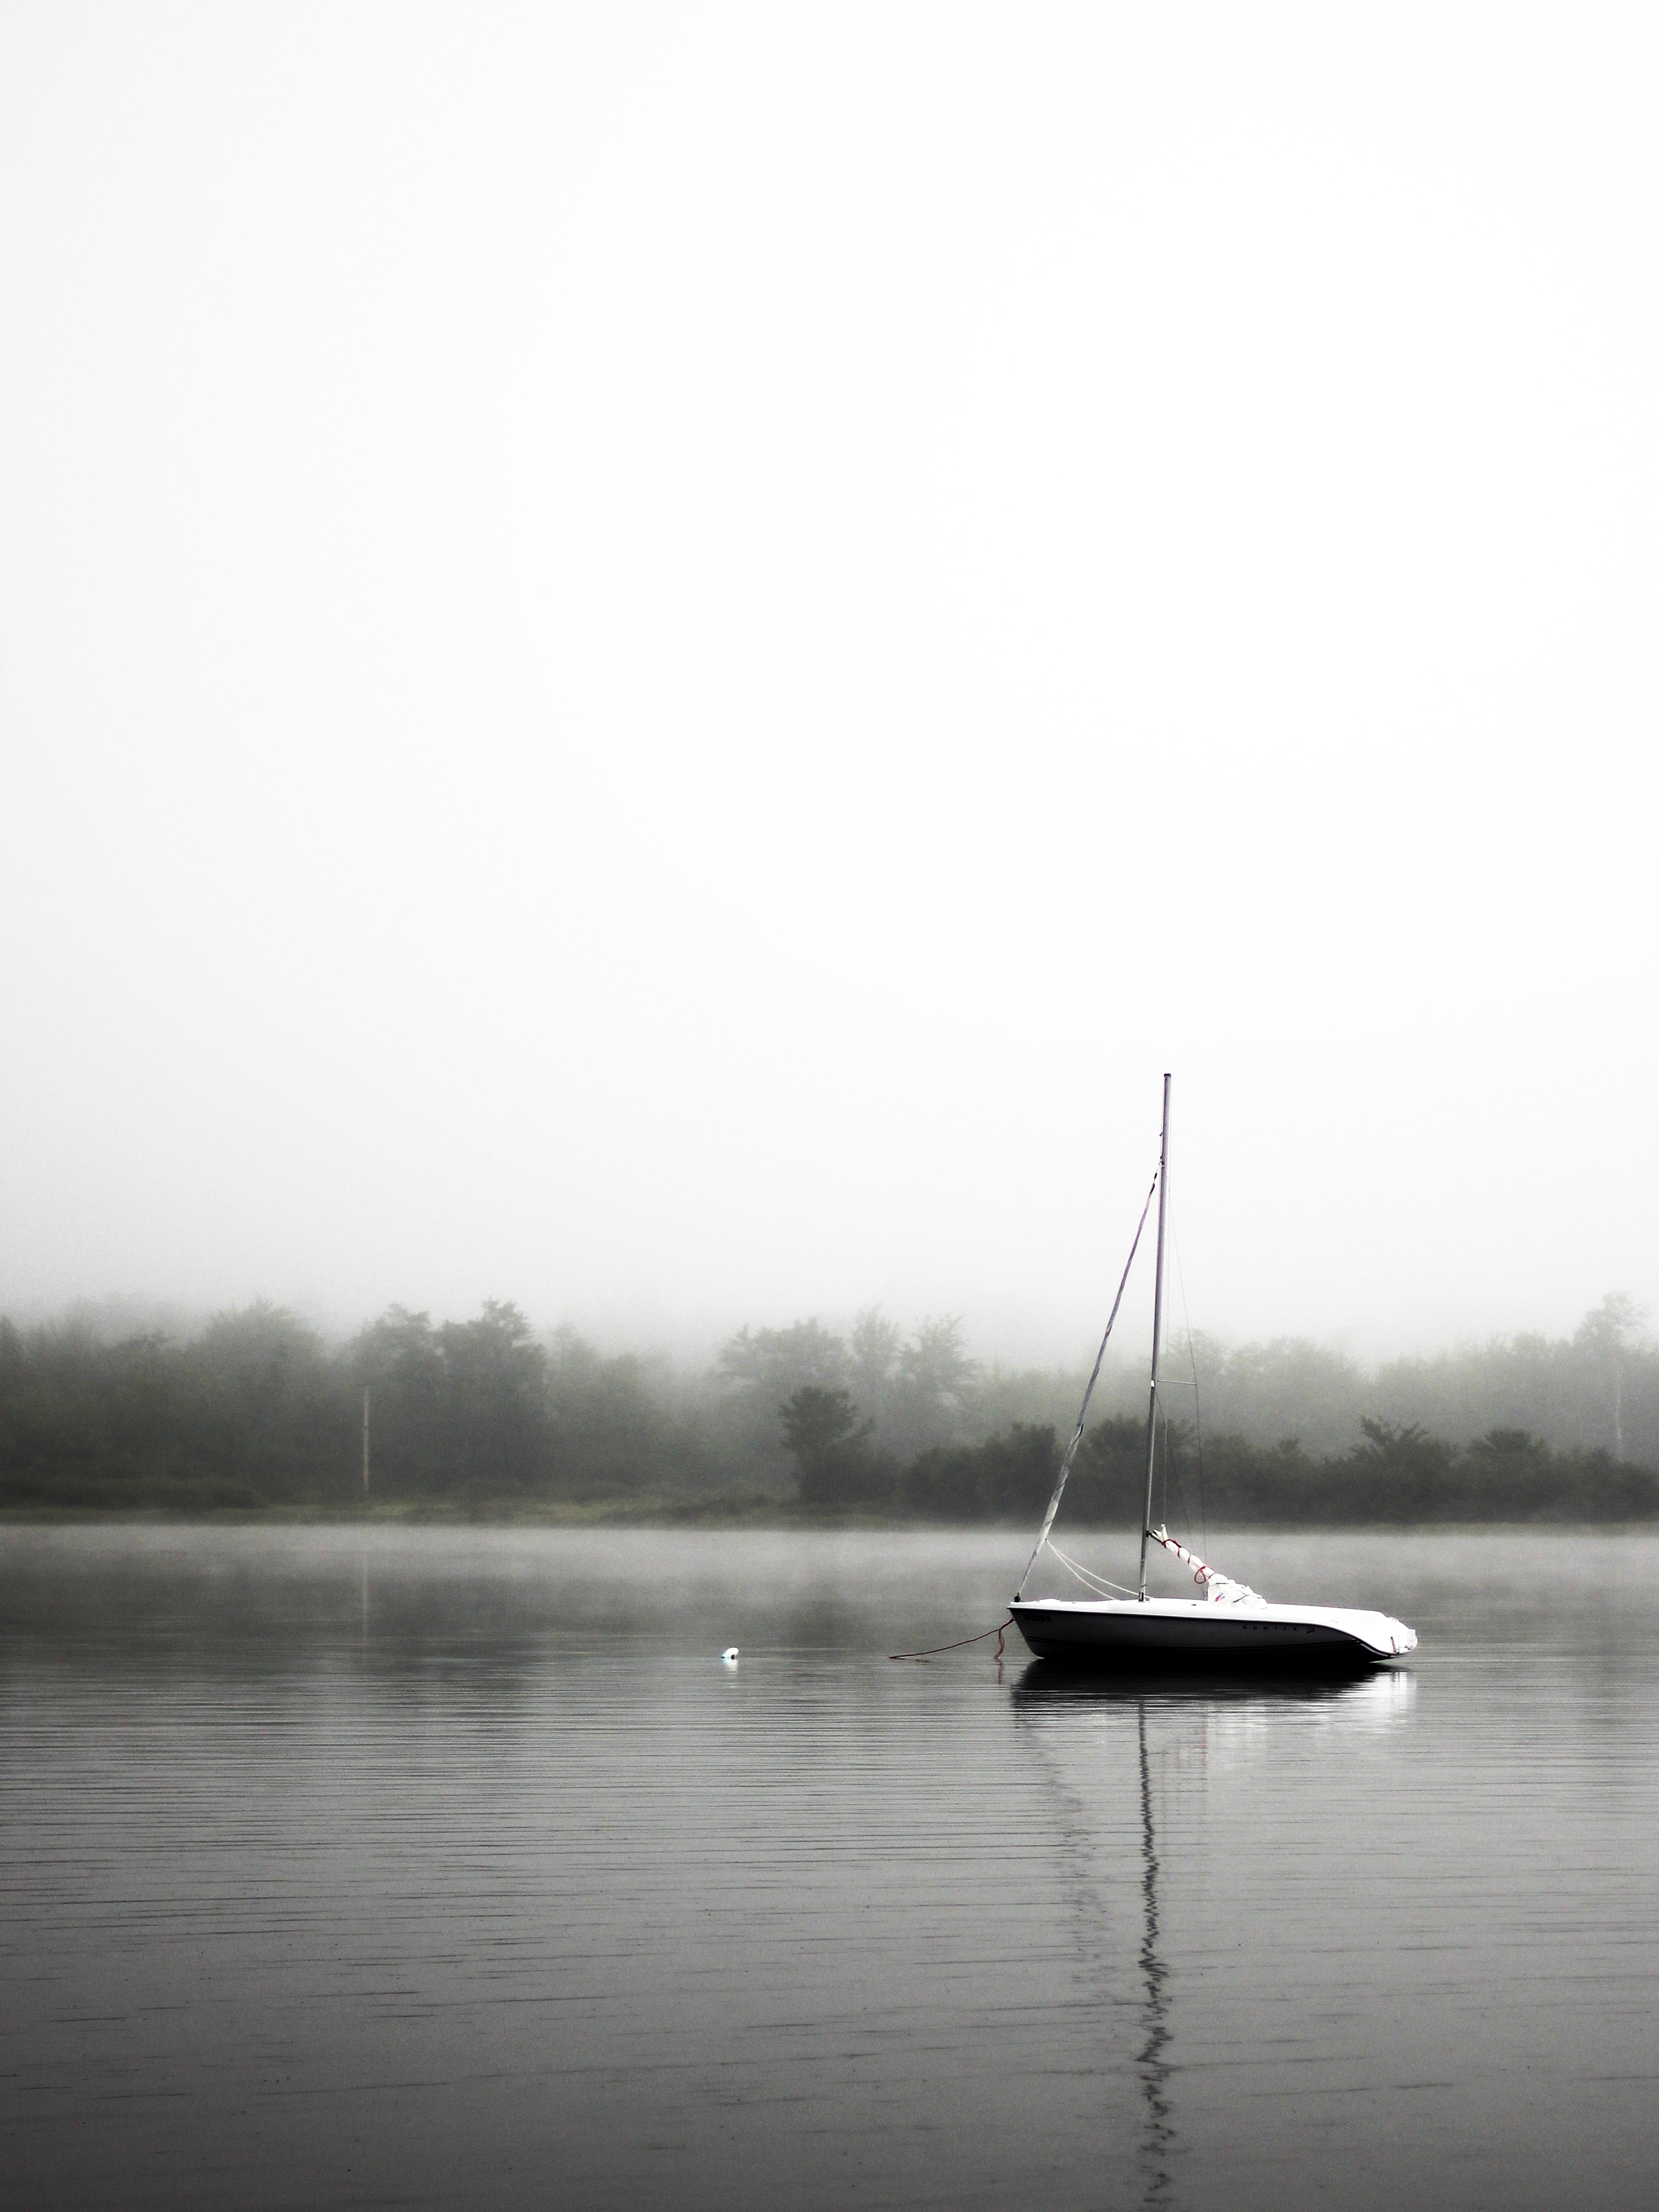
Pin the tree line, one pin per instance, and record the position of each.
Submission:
(256, 1410)
(1396, 1473)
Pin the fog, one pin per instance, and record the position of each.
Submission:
(655, 661)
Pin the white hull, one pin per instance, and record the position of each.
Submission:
(1117, 1630)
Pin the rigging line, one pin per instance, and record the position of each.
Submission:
(1083, 1411)
(998, 1631)
(1198, 1411)
(1169, 1463)
(1096, 1582)
(1171, 1472)
(1101, 1583)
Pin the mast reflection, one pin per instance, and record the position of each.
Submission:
(1164, 1709)
(1158, 2134)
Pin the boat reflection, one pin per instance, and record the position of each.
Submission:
(1182, 1720)
(1352, 1690)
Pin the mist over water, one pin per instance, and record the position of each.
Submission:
(351, 1865)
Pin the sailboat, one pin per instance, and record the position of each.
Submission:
(1229, 1625)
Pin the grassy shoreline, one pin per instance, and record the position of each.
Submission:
(716, 1514)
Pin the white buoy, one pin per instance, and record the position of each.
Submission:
(730, 1656)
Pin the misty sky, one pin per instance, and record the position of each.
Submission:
(655, 659)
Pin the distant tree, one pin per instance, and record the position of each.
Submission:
(1396, 1443)
(1194, 1379)
(615, 1425)
(1607, 1334)
(270, 1397)
(1507, 1444)
(501, 1339)
(1009, 1477)
(1612, 1326)
(1407, 1466)
(399, 1360)
(874, 1345)
(464, 1406)
(931, 1396)
(1289, 1386)
(935, 1362)
(835, 1459)
(498, 1418)
(766, 1362)
(400, 1347)
(264, 1348)
(1509, 1474)
(755, 1371)
(1109, 1478)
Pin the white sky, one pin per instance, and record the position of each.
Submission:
(655, 659)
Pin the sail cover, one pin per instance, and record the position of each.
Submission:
(1219, 1589)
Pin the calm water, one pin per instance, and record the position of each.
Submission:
(446, 1869)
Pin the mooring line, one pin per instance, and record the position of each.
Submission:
(998, 1631)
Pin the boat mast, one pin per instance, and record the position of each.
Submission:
(1158, 1332)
